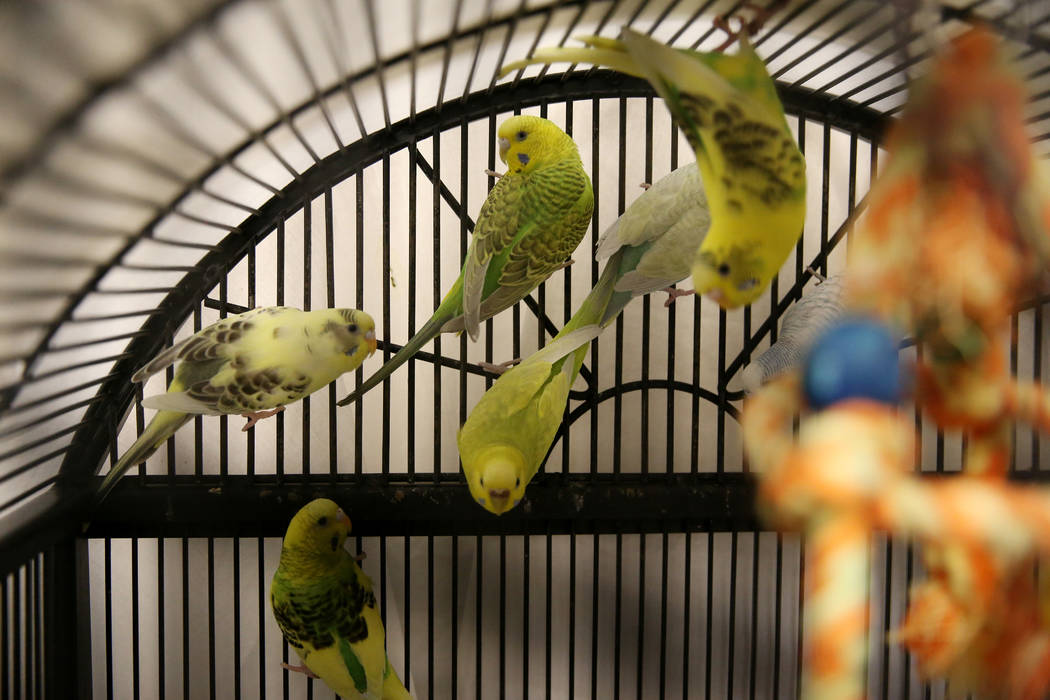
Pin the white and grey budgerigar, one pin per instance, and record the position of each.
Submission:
(801, 324)
(659, 234)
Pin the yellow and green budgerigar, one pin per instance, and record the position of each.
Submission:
(508, 433)
(753, 172)
(326, 608)
(251, 364)
(532, 220)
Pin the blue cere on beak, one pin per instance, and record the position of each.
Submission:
(523, 158)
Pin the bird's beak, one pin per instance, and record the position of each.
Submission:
(718, 296)
(504, 146)
(341, 517)
(500, 500)
(370, 341)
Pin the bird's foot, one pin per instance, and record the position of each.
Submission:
(359, 557)
(673, 293)
(816, 273)
(645, 185)
(300, 669)
(565, 264)
(493, 173)
(498, 368)
(254, 418)
(762, 13)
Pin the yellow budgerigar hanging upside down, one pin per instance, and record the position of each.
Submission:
(326, 608)
(753, 172)
(529, 225)
(251, 364)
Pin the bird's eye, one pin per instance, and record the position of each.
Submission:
(723, 269)
(747, 284)
(322, 521)
(522, 135)
(517, 483)
(352, 328)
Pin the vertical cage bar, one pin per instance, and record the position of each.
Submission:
(67, 659)
(618, 615)
(236, 559)
(385, 286)
(135, 640)
(359, 303)
(5, 639)
(185, 604)
(709, 607)
(308, 218)
(479, 543)
(108, 583)
(261, 581)
(329, 269)
(413, 290)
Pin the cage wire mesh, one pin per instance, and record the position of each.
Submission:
(164, 165)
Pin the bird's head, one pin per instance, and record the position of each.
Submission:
(732, 276)
(319, 529)
(527, 142)
(356, 333)
(498, 480)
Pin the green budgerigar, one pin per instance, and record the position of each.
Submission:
(753, 172)
(325, 606)
(251, 364)
(531, 222)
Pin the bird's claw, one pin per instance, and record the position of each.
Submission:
(749, 28)
(645, 185)
(673, 293)
(300, 669)
(565, 264)
(499, 368)
(816, 273)
(359, 557)
(493, 173)
(254, 418)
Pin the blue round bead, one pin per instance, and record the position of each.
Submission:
(854, 359)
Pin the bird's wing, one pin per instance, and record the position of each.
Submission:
(498, 224)
(209, 344)
(549, 224)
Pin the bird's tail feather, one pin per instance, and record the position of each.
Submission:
(163, 426)
(430, 330)
(393, 688)
(609, 54)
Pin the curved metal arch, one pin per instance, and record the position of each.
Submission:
(591, 402)
(116, 393)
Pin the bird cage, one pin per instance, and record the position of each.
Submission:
(165, 165)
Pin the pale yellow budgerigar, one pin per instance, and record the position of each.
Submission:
(246, 364)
